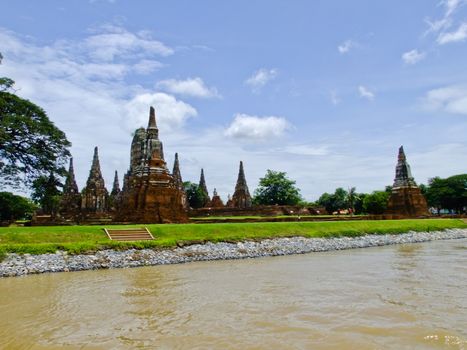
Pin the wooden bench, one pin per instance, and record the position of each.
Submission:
(129, 234)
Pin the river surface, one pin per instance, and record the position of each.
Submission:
(395, 297)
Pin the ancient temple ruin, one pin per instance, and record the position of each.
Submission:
(95, 196)
(204, 189)
(406, 198)
(150, 193)
(216, 201)
(70, 203)
(241, 197)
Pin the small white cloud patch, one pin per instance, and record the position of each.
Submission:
(345, 46)
(413, 56)
(366, 93)
(260, 78)
(451, 99)
(190, 87)
(256, 128)
(456, 36)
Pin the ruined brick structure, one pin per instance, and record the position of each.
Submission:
(70, 203)
(241, 197)
(115, 194)
(95, 196)
(204, 189)
(216, 201)
(178, 181)
(406, 198)
(150, 193)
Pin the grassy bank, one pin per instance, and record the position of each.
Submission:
(80, 239)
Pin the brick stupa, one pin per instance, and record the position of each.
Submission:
(202, 186)
(406, 198)
(70, 202)
(241, 197)
(216, 201)
(150, 193)
(95, 195)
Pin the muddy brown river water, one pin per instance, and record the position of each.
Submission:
(410, 296)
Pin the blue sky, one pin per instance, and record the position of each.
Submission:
(324, 90)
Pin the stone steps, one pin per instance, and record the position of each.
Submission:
(129, 234)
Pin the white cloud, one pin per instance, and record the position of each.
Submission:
(365, 93)
(413, 56)
(170, 112)
(147, 66)
(260, 78)
(111, 42)
(451, 99)
(190, 87)
(455, 36)
(346, 46)
(256, 128)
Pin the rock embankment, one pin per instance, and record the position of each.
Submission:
(18, 265)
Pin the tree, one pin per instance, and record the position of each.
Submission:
(275, 188)
(352, 197)
(13, 207)
(30, 144)
(195, 196)
(376, 202)
(46, 193)
(449, 193)
(336, 201)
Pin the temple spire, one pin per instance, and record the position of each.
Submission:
(203, 187)
(70, 182)
(404, 176)
(401, 157)
(176, 172)
(152, 118)
(116, 185)
(241, 197)
(96, 167)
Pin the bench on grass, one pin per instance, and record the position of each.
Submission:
(129, 234)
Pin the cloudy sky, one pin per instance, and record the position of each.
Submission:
(324, 90)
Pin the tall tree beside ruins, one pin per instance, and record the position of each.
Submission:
(275, 188)
(30, 144)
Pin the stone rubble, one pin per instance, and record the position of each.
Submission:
(19, 265)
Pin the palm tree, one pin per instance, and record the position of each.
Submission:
(351, 198)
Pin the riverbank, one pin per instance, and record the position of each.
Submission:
(19, 265)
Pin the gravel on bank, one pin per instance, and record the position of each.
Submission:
(19, 265)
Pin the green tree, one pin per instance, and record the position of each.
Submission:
(275, 188)
(46, 193)
(195, 196)
(376, 202)
(336, 201)
(30, 144)
(13, 207)
(449, 193)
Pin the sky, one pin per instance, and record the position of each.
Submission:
(325, 91)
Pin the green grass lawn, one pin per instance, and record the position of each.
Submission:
(79, 239)
(256, 217)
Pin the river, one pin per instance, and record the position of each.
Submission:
(410, 296)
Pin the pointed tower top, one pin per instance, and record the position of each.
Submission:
(116, 185)
(404, 176)
(176, 173)
(152, 118)
(95, 175)
(202, 183)
(241, 197)
(401, 156)
(214, 193)
(95, 161)
(70, 183)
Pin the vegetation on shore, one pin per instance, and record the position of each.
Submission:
(83, 239)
